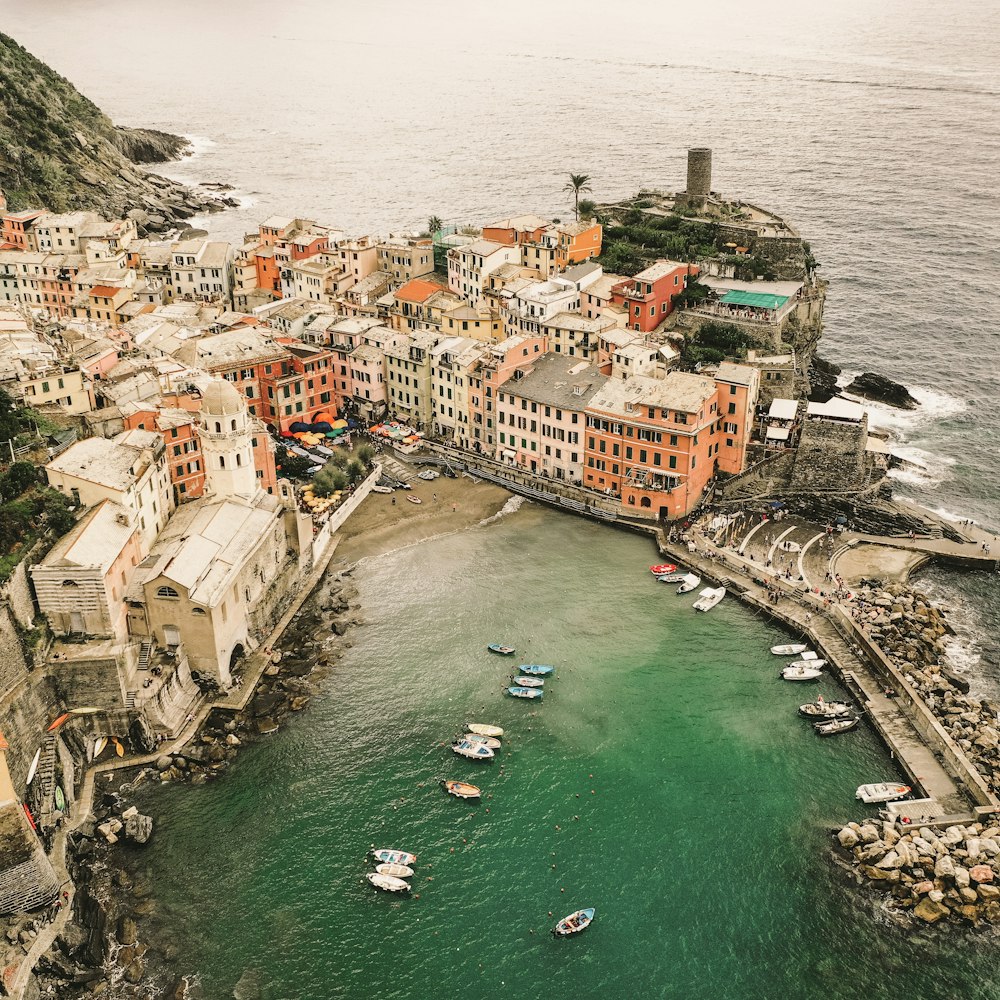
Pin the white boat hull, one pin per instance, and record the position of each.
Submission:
(483, 730)
(387, 883)
(800, 673)
(709, 598)
(885, 791)
(791, 649)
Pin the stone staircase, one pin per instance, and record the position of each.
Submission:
(145, 653)
(46, 776)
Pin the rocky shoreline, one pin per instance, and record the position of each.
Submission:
(104, 951)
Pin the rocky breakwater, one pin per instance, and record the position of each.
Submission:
(951, 874)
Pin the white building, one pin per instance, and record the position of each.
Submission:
(469, 265)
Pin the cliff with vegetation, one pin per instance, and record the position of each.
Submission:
(59, 151)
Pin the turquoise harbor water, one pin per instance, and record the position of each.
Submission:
(703, 845)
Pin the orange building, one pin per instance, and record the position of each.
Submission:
(648, 298)
(577, 242)
(178, 428)
(17, 228)
(739, 388)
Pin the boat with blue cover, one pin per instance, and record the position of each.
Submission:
(487, 741)
(390, 856)
(519, 691)
(474, 751)
(500, 649)
(575, 922)
(536, 669)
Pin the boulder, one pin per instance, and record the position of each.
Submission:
(961, 877)
(945, 867)
(891, 860)
(129, 813)
(139, 828)
(869, 834)
(922, 888)
(969, 913)
(848, 838)
(981, 873)
(988, 893)
(126, 930)
(163, 762)
(929, 911)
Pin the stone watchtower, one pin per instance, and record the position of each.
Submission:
(226, 442)
(699, 178)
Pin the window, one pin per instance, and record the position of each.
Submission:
(70, 583)
(197, 611)
(167, 592)
(732, 390)
(672, 463)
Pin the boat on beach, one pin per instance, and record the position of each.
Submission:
(536, 669)
(528, 682)
(473, 751)
(462, 789)
(800, 672)
(482, 729)
(487, 741)
(500, 649)
(414, 499)
(662, 569)
(99, 744)
(382, 489)
(688, 584)
(33, 767)
(834, 726)
(390, 856)
(710, 596)
(395, 870)
(820, 709)
(790, 649)
(387, 883)
(882, 791)
(517, 691)
(575, 922)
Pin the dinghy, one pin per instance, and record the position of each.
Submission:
(462, 789)
(710, 596)
(119, 749)
(390, 856)
(516, 691)
(483, 730)
(671, 577)
(99, 744)
(500, 649)
(414, 499)
(662, 569)
(34, 766)
(58, 722)
(883, 791)
(473, 751)
(528, 682)
(801, 673)
(820, 709)
(791, 649)
(60, 798)
(395, 871)
(809, 655)
(574, 923)
(487, 741)
(689, 583)
(536, 669)
(817, 663)
(387, 882)
(833, 726)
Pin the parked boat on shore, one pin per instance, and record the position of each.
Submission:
(528, 682)
(390, 856)
(801, 673)
(517, 691)
(710, 596)
(482, 729)
(387, 883)
(462, 789)
(790, 649)
(575, 922)
(500, 649)
(882, 791)
(536, 669)
(688, 584)
(414, 499)
(472, 751)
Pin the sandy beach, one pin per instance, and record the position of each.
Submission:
(381, 525)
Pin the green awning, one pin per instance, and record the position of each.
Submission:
(762, 300)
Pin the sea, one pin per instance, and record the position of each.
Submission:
(872, 128)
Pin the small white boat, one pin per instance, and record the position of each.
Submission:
(817, 663)
(428, 475)
(671, 577)
(387, 882)
(99, 744)
(526, 681)
(487, 741)
(710, 596)
(414, 499)
(483, 730)
(474, 751)
(462, 789)
(809, 655)
(834, 726)
(382, 489)
(791, 649)
(390, 856)
(820, 709)
(883, 791)
(688, 584)
(575, 922)
(34, 766)
(395, 870)
(801, 673)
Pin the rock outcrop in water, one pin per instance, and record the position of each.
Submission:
(59, 151)
(880, 389)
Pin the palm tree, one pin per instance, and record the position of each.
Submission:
(434, 225)
(577, 185)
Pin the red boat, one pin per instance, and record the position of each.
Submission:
(662, 569)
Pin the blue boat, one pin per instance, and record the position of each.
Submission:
(496, 647)
(516, 691)
(536, 669)
(574, 923)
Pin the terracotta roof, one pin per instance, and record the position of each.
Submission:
(418, 290)
(105, 291)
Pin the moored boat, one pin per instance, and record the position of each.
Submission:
(809, 655)
(528, 682)
(688, 584)
(473, 751)
(99, 744)
(833, 726)
(536, 669)
(575, 922)
(387, 883)
(33, 767)
(500, 649)
(390, 856)
(882, 791)
(484, 730)
(710, 596)
(487, 741)
(462, 789)
(801, 673)
(671, 577)
(516, 691)
(789, 649)
(817, 663)
(663, 568)
(395, 870)
(820, 709)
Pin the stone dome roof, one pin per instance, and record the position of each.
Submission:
(221, 399)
